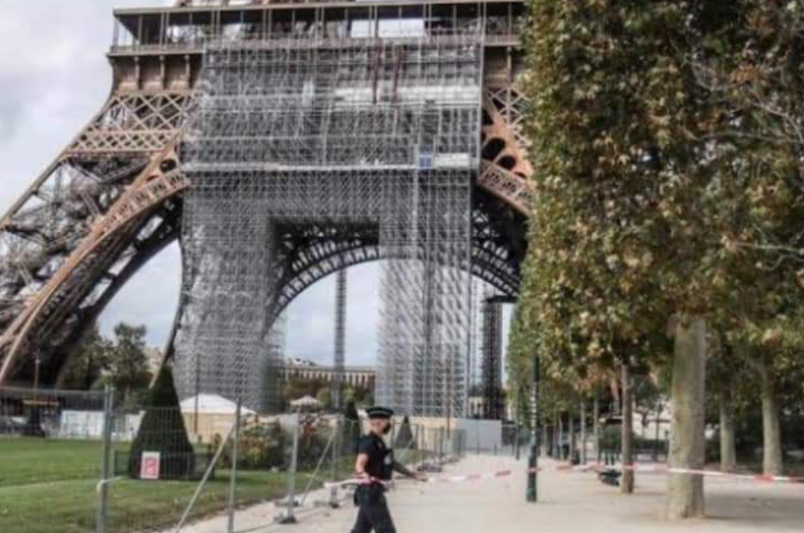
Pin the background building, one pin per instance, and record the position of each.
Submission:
(355, 376)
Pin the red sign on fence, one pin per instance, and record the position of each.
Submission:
(149, 467)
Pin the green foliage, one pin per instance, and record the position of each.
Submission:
(85, 367)
(126, 366)
(668, 140)
(522, 343)
(362, 396)
(324, 397)
(295, 388)
(119, 361)
(261, 447)
(616, 232)
(313, 437)
(757, 197)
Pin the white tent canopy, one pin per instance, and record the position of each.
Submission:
(305, 401)
(211, 404)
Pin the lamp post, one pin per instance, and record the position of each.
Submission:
(532, 494)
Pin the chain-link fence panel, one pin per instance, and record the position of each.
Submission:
(50, 460)
(159, 455)
(108, 462)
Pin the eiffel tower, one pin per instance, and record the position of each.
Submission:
(120, 192)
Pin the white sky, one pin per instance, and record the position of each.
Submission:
(54, 77)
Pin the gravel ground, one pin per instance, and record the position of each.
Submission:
(569, 503)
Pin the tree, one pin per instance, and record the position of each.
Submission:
(731, 389)
(324, 397)
(86, 366)
(361, 395)
(295, 388)
(127, 365)
(627, 483)
(758, 76)
(620, 239)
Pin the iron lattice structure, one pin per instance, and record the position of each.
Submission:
(339, 353)
(491, 349)
(369, 131)
(115, 196)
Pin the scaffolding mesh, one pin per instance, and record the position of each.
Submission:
(339, 355)
(492, 358)
(299, 132)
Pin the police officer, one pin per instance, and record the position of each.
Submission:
(375, 466)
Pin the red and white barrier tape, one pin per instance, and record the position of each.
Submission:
(470, 477)
(662, 469)
(654, 469)
(439, 479)
(745, 477)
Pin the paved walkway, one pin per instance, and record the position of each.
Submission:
(569, 503)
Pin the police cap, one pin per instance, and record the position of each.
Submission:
(379, 412)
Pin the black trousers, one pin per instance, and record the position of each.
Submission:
(373, 514)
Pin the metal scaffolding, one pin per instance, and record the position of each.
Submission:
(295, 133)
(491, 349)
(113, 198)
(340, 338)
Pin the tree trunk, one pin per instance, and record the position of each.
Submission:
(627, 449)
(657, 435)
(772, 464)
(615, 395)
(560, 438)
(685, 492)
(551, 445)
(557, 439)
(583, 432)
(728, 454)
(573, 444)
(596, 426)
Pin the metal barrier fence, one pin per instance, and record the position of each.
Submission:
(499, 439)
(104, 462)
(50, 448)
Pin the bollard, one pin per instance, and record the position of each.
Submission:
(106, 461)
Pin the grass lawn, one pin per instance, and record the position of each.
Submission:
(26, 461)
(49, 486)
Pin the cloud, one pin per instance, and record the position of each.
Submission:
(311, 319)
(10, 115)
(151, 298)
(54, 77)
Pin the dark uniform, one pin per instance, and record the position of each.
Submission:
(370, 497)
(374, 514)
